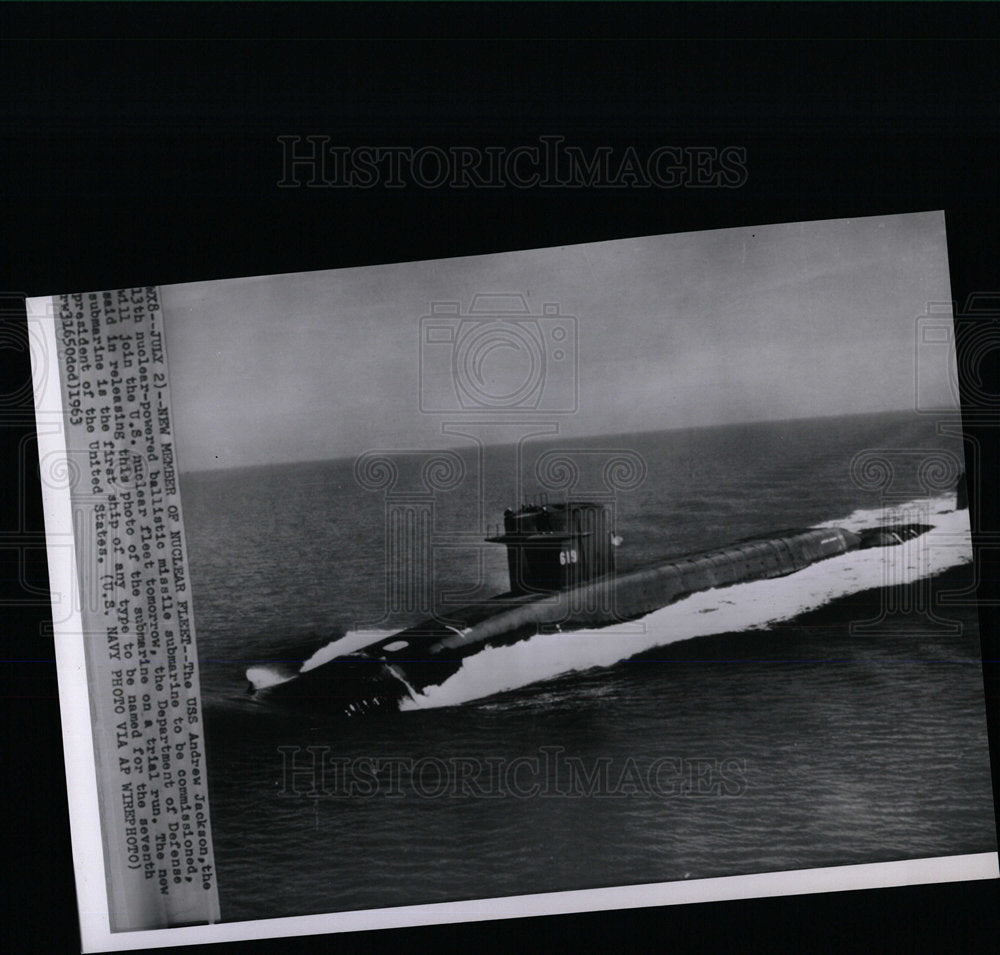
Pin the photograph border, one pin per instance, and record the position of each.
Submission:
(83, 794)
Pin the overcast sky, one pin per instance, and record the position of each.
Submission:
(699, 328)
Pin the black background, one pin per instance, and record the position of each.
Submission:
(139, 147)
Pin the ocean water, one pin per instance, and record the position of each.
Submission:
(835, 716)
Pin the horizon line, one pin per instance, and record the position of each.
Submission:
(557, 437)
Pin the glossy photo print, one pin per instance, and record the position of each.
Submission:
(620, 574)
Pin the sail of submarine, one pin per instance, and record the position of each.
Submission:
(562, 571)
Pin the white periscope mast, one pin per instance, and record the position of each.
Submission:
(561, 562)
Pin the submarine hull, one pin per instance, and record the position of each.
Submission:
(380, 677)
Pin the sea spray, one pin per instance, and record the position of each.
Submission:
(287, 665)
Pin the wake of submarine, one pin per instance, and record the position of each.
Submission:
(561, 565)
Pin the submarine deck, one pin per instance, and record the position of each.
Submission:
(603, 601)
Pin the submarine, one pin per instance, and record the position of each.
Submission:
(561, 561)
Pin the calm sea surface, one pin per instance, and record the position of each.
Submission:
(809, 742)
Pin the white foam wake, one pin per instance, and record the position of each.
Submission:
(348, 643)
(747, 606)
(264, 676)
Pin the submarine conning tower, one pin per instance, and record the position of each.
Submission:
(554, 546)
